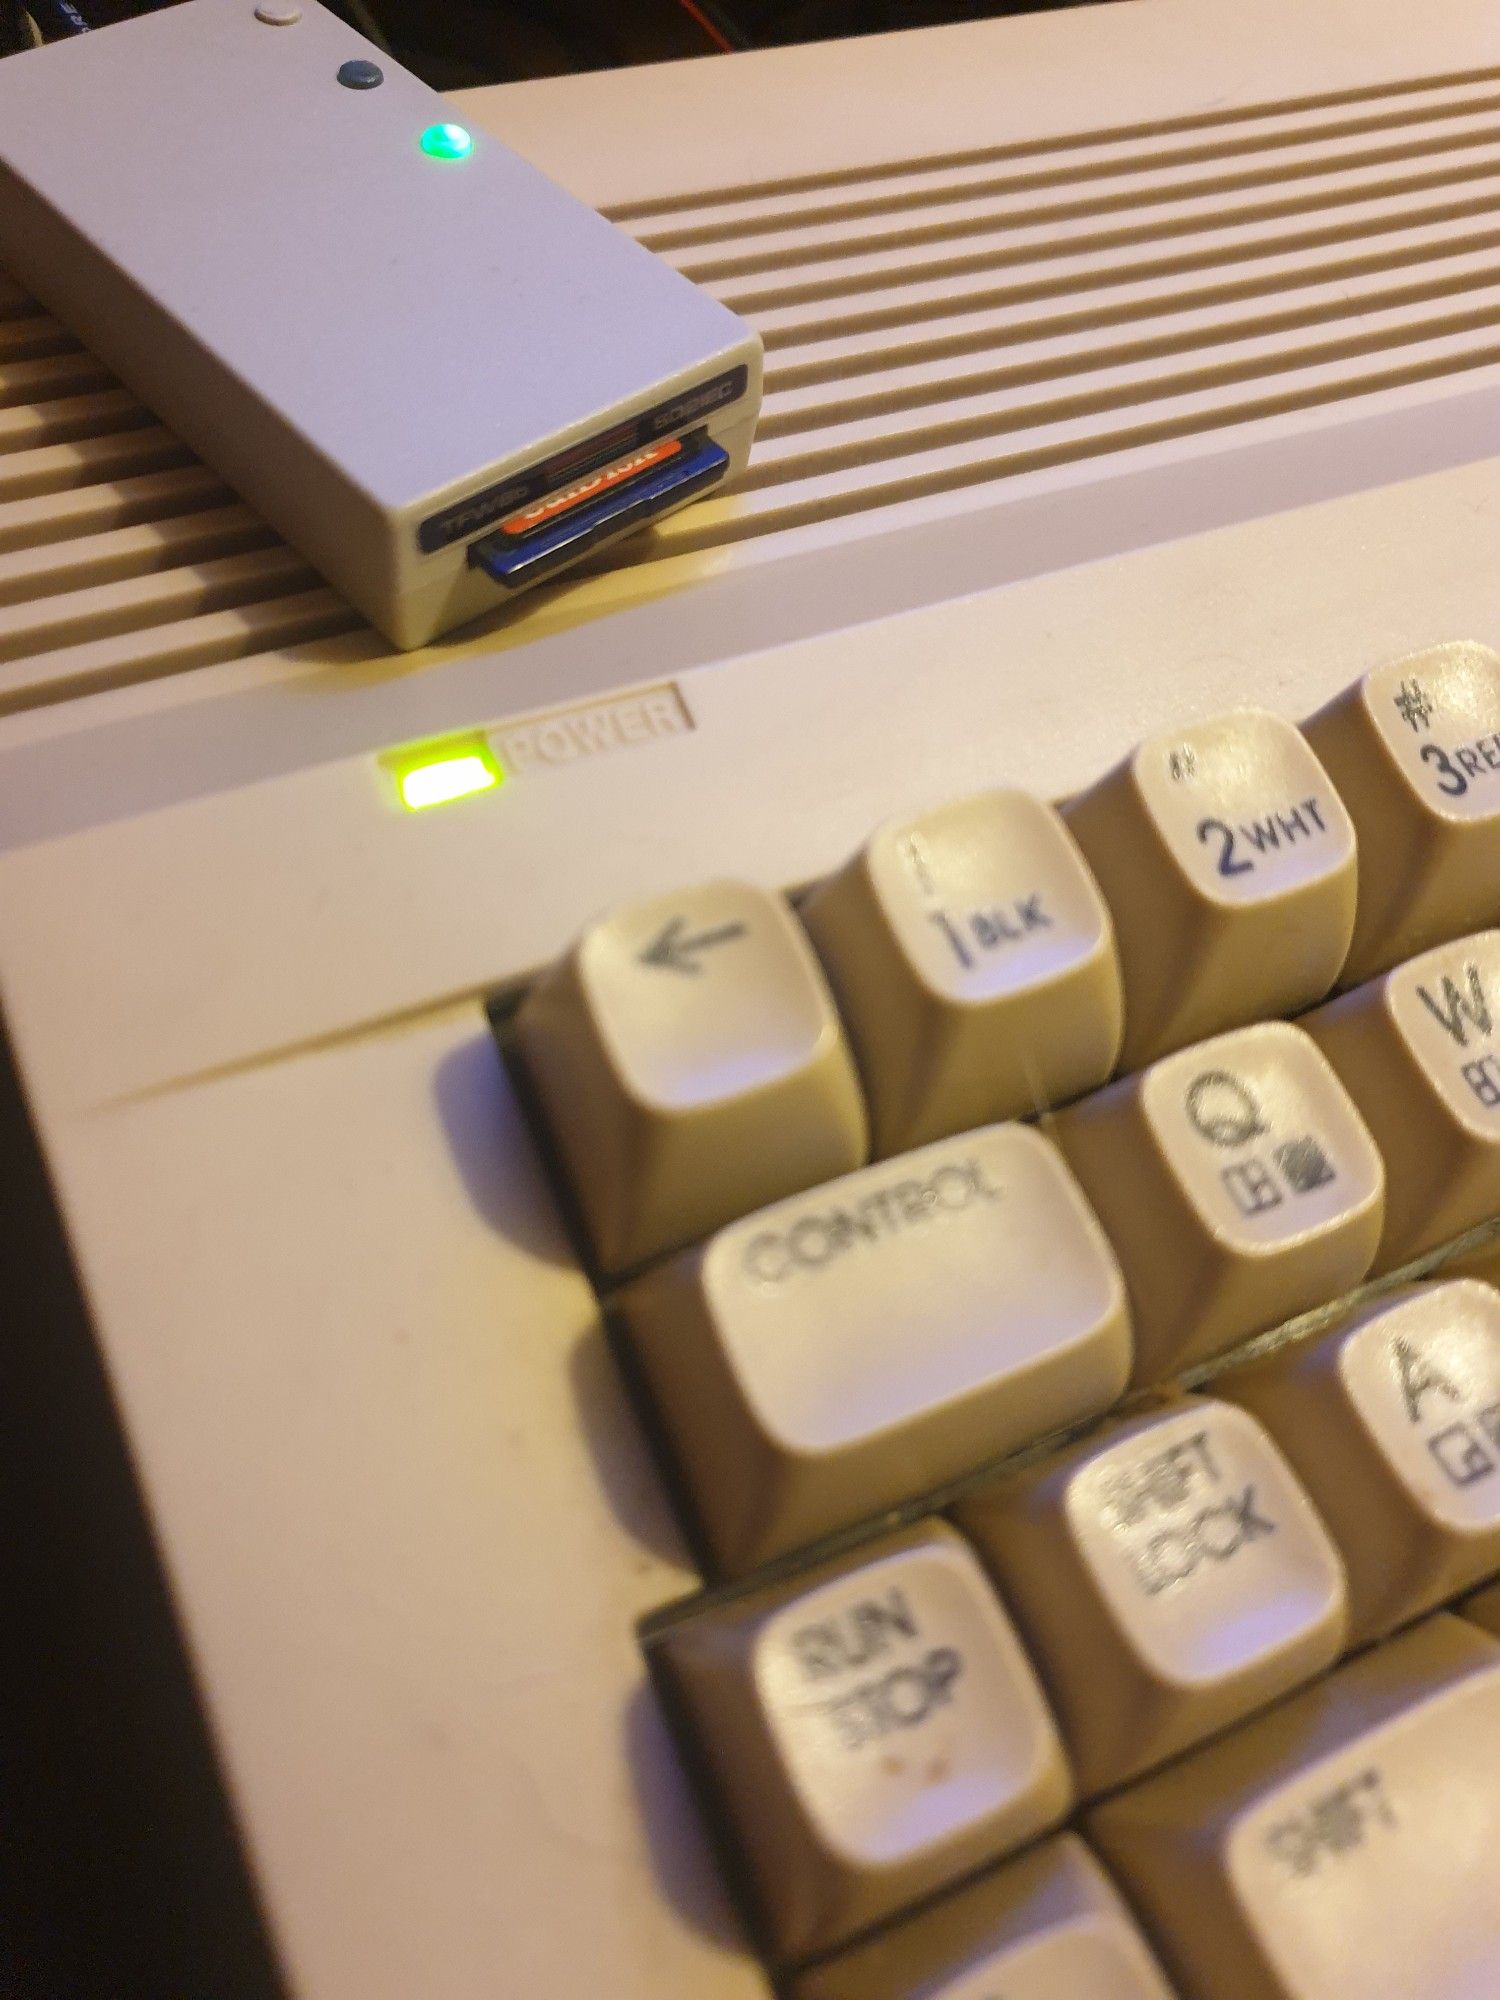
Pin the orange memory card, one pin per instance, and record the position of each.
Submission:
(548, 509)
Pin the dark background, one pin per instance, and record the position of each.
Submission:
(452, 43)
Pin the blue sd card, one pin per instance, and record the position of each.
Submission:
(521, 552)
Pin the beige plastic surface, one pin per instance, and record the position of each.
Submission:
(1238, 1185)
(1414, 748)
(1228, 862)
(691, 1067)
(403, 1510)
(491, 375)
(874, 1732)
(975, 967)
(856, 1345)
(1169, 1576)
(1341, 1847)
(1392, 1422)
(1418, 1050)
(421, 1522)
(1484, 1609)
(1047, 1926)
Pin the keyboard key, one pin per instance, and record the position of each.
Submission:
(1418, 1049)
(1169, 1576)
(1392, 1422)
(1341, 1847)
(1238, 1185)
(1228, 863)
(1414, 749)
(975, 967)
(1047, 1926)
(690, 1067)
(873, 1733)
(856, 1345)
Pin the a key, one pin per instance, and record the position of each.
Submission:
(1392, 1422)
(1227, 860)
(1341, 1847)
(1169, 1575)
(1414, 749)
(690, 1067)
(975, 967)
(873, 1732)
(1418, 1049)
(1238, 1185)
(861, 1343)
(1049, 1925)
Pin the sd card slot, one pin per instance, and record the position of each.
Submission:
(522, 552)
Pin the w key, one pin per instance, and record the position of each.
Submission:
(1419, 1052)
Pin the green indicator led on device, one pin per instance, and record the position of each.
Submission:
(447, 142)
(436, 774)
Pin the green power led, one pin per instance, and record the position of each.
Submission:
(435, 774)
(447, 142)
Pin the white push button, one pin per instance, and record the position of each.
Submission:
(1414, 749)
(875, 1731)
(975, 967)
(1418, 1050)
(1047, 1926)
(1227, 860)
(1238, 1185)
(690, 1066)
(1392, 1422)
(1169, 1576)
(863, 1342)
(1341, 1847)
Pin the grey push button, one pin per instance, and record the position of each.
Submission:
(358, 74)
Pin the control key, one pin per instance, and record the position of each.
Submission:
(859, 1344)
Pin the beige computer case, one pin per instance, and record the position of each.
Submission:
(1124, 364)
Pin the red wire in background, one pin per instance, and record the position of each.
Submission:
(715, 35)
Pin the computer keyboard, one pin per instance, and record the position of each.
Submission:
(1047, 1462)
(924, 1430)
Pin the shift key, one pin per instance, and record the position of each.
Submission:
(861, 1343)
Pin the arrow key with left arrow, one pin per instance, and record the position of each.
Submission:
(691, 1067)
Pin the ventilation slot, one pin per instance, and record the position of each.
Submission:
(937, 326)
(933, 326)
(122, 558)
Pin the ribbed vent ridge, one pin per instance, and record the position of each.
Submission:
(931, 325)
